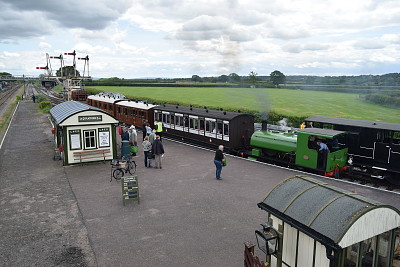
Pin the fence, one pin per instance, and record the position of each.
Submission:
(249, 259)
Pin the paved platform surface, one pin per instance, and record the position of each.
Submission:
(40, 221)
(185, 217)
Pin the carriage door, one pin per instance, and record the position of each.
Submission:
(395, 152)
(382, 147)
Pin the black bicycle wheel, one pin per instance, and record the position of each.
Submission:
(132, 167)
(118, 173)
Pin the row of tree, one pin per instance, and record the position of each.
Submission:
(276, 78)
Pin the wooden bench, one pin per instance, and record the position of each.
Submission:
(92, 154)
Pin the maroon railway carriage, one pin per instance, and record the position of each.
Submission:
(134, 112)
(105, 101)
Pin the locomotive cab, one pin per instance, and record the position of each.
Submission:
(309, 156)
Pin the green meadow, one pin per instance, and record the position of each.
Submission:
(288, 102)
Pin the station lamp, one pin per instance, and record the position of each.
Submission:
(267, 239)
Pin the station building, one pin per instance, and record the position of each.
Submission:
(311, 223)
(83, 133)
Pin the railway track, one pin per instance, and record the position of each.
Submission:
(54, 97)
(357, 179)
(7, 94)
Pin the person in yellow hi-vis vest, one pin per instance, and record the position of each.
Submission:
(159, 129)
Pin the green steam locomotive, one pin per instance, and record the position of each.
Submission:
(302, 149)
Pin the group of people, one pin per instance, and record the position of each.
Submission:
(148, 131)
(153, 148)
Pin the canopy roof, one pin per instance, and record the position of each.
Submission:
(66, 109)
(331, 215)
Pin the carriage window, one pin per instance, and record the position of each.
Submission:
(179, 122)
(185, 123)
(125, 111)
(172, 119)
(201, 126)
(219, 129)
(119, 110)
(396, 137)
(211, 130)
(226, 131)
(157, 116)
(166, 118)
(109, 106)
(193, 124)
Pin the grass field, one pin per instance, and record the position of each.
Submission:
(282, 101)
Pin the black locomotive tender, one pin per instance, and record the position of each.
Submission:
(374, 147)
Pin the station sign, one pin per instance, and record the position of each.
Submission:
(92, 118)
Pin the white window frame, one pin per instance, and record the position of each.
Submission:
(93, 135)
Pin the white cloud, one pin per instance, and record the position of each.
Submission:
(177, 37)
(44, 46)
(10, 54)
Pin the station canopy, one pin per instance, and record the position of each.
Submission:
(333, 216)
(65, 110)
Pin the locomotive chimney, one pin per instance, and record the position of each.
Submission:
(264, 125)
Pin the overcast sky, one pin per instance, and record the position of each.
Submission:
(179, 38)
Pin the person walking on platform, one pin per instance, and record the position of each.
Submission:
(159, 128)
(147, 152)
(158, 152)
(219, 157)
(144, 130)
(125, 134)
(148, 129)
(132, 139)
(34, 98)
(152, 136)
(133, 135)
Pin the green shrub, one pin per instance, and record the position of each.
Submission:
(19, 98)
(45, 106)
(41, 98)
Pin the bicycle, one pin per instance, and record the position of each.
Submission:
(121, 167)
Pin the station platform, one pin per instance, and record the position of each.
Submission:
(185, 217)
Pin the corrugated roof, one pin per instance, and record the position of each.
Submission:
(317, 208)
(356, 123)
(68, 108)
